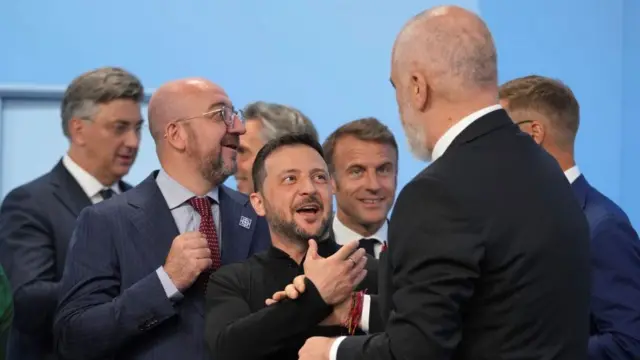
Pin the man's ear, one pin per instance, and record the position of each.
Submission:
(419, 92)
(257, 203)
(538, 132)
(176, 136)
(77, 131)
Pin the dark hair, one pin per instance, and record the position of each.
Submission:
(365, 129)
(548, 97)
(96, 87)
(258, 170)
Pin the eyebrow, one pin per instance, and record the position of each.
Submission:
(217, 105)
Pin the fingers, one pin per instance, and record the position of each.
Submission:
(195, 241)
(298, 283)
(359, 278)
(201, 253)
(204, 264)
(359, 254)
(312, 251)
(291, 292)
(358, 268)
(346, 251)
(276, 297)
(270, 302)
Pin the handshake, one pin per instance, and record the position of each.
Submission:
(335, 277)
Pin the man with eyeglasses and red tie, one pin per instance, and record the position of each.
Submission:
(137, 272)
(101, 118)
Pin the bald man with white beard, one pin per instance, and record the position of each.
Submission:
(488, 253)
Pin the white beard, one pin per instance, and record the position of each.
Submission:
(417, 137)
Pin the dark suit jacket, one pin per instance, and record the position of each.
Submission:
(615, 264)
(113, 304)
(36, 222)
(488, 257)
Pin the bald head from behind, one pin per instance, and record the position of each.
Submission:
(196, 131)
(452, 47)
(443, 67)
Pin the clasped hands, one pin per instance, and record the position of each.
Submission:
(335, 277)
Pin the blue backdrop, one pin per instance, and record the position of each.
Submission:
(329, 58)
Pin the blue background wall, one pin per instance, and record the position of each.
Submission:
(328, 58)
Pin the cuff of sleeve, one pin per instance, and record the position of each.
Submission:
(333, 353)
(364, 318)
(169, 287)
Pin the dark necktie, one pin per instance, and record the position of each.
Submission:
(106, 193)
(208, 229)
(369, 246)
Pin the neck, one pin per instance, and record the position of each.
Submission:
(364, 230)
(295, 249)
(184, 174)
(565, 159)
(80, 157)
(450, 113)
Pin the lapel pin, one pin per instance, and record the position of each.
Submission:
(245, 222)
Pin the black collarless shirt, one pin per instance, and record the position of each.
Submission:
(240, 326)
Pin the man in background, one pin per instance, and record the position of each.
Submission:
(488, 250)
(137, 271)
(547, 110)
(265, 122)
(293, 191)
(362, 156)
(101, 118)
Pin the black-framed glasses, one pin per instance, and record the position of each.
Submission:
(228, 114)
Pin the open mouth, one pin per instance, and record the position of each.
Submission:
(309, 209)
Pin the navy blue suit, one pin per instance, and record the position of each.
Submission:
(113, 304)
(615, 288)
(36, 223)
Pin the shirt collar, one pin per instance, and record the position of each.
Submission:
(572, 174)
(343, 234)
(175, 194)
(445, 141)
(89, 184)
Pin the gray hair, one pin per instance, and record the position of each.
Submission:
(278, 120)
(96, 87)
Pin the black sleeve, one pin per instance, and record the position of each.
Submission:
(435, 251)
(233, 332)
(28, 256)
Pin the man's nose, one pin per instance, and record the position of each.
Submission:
(373, 184)
(238, 126)
(132, 138)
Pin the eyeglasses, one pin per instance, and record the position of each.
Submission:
(228, 114)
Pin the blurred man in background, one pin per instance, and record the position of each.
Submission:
(362, 156)
(101, 118)
(265, 122)
(136, 275)
(547, 110)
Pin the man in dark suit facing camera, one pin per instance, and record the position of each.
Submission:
(488, 253)
(101, 118)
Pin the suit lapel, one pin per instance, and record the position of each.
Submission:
(238, 223)
(151, 216)
(69, 192)
(384, 284)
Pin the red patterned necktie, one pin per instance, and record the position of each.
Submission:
(208, 228)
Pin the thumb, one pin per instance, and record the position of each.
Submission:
(312, 251)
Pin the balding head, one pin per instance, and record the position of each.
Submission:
(443, 68)
(174, 100)
(196, 131)
(452, 47)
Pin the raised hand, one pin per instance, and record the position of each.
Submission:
(188, 257)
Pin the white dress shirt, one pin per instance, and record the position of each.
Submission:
(572, 174)
(344, 235)
(89, 184)
(441, 146)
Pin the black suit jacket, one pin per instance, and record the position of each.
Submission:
(36, 223)
(488, 257)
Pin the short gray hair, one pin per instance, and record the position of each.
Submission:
(96, 87)
(278, 120)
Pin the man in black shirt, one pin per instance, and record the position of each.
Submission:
(293, 191)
